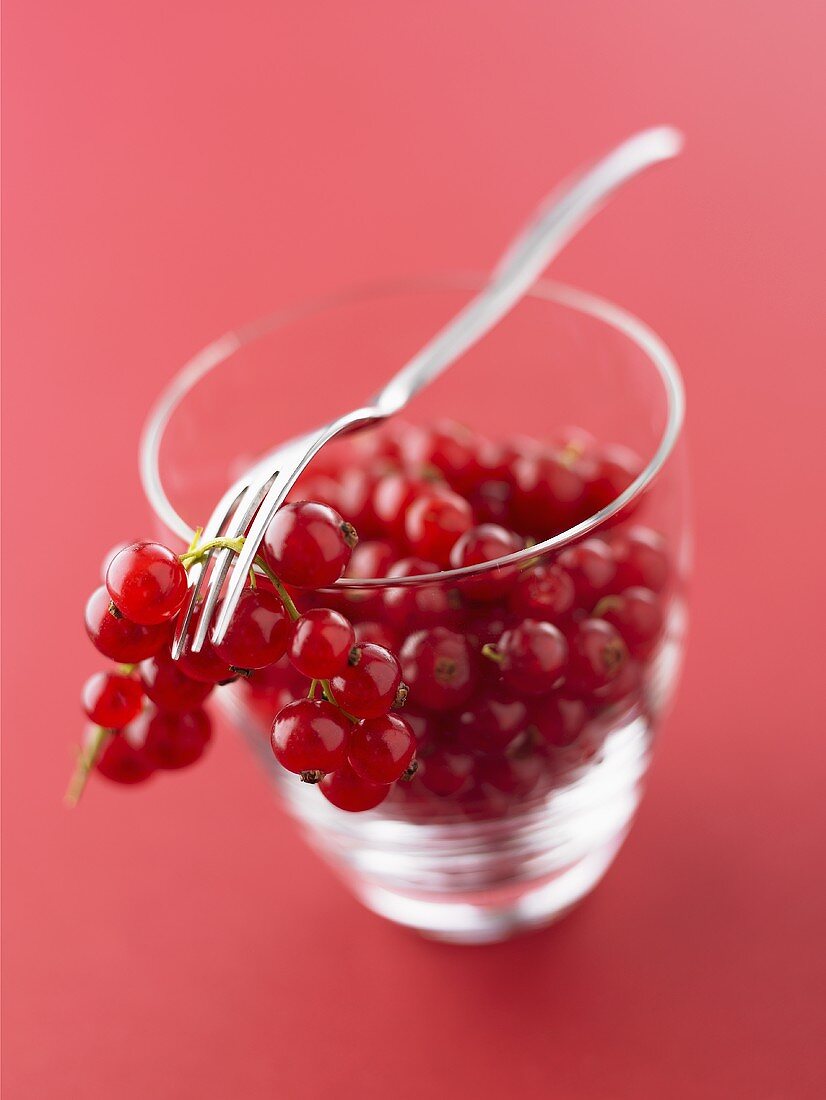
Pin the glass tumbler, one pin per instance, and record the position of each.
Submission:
(521, 800)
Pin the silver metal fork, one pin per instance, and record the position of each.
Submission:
(251, 502)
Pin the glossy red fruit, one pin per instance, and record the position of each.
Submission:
(558, 721)
(258, 632)
(490, 502)
(381, 749)
(206, 665)
(439, 668)
(532, 657)
(177, 739)
(544, 592)
(111, 700)
(369, 683)
(371, 559)
(147, 583)
(308, 544)
(434, 521)
(120, 639)
(614, 469)
(514, 775)
(350, 792)
(320, 642)
(486, 543)
(169, 687)
(641, 556)
(309, 736)
(121, 762)
(378, 633)
(597, 655)
(491, 721)
(392, 496)
(446, 773)
(590, 565)
(548, 495)
(637, 615)
(454, 450)
(411, 607)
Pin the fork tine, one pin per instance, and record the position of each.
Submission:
(197, 571)
(246, 508)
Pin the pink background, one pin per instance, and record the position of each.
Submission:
(172, 169)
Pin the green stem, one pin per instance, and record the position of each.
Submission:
(87, 758)
(286, 598)
(492, 653)
(197, 552)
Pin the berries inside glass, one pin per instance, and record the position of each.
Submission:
(463, 720)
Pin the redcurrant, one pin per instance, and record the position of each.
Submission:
(308, 544)
(320, 642)
(381, 749)
(119, 638)
(176, 740)
(147, 583)
(368, 685)
(532, 657)
(169, 687)
(439, 668)
(485, 543)
(112, 700)
(350, 792)
(310, 736)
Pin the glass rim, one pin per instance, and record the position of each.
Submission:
(580, 301)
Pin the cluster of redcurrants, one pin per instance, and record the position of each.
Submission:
(515, 674)
(148, 714)
(508, 676)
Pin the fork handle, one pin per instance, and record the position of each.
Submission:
(557, 220)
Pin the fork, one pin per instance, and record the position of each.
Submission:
(249, 504)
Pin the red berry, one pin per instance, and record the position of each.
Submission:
(409, 607)
(491, 502)
(258, 632)
(392, 496)
(614, 469)
(434, 521)
(111, 700)
(146, 583)
(381, 749)
(377, 633)
(176, 740)
(548, 495)
(119, 638)
(320, 643)
(545, 592)
(121, 762)
(445, 773)
(642, 559)
(367, 686)
(491, 721)
(454, 450)
(515, 775)
(532, 657)
(590, 565)
(483, 544)
(350, 792)
(637, 615)
(308, 544)
(559, 721)
(206, 665)
(597, 655)
(167, 685)
(310, 735)
(371, 559)
(439, 668)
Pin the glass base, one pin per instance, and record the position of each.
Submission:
(477, 881)
(487, 918)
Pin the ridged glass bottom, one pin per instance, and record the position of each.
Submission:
(477, 881)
